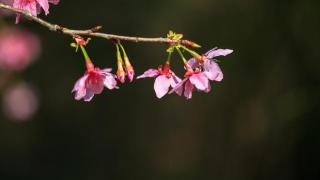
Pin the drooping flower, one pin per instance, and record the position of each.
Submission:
(18, 49)
(33, 6)
(93, 82)
(164, 79)
(201, 69)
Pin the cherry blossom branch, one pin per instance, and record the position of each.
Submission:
(90, 32)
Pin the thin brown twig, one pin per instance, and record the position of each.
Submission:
(89, 32)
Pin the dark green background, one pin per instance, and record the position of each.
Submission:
(260, 122)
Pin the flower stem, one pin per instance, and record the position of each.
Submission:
(169, 58)
(85, 54)
(119, 58)
(87, 59)
(193, 53)
(123, 51)
(182, 56)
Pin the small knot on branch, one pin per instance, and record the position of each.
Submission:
(96, 29)
(56, 28)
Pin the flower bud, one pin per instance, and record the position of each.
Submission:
(129, 69)
(120, 72)
(190, 43)
(96, 29)
(80, 41)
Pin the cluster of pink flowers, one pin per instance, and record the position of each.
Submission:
(199, 71)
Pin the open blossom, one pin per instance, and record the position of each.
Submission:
(33, 6)
(18, 48)
(164, 79)
(200, 71)
(93, 82)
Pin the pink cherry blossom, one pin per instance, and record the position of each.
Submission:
(199, 72)
(93, 82)
(164, 79)
(33, 6)
(18, 49)
(194, 78)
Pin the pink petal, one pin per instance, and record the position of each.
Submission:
(95, 81)
(80, 83)
(193, 63)
(200, 80)
(161, 86)
(88, 97)
(178, 87)
(55, 2)
(174, 81)
(130, 74)
(149, 73)
(45, 5)
(106, 71)
(97, 88)
(188, 90)
(212, 70)
(26, 5)
(110, 82)
(18, 16)
(208, 89)
(79, 88)
(218, 52)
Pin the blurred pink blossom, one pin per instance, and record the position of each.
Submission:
(20, 102)
(18, 48)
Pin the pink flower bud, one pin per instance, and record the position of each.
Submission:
(129, 69)
(121, 74)
(190, 43)
(80, 41)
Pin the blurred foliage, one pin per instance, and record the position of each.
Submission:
(260, 122)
